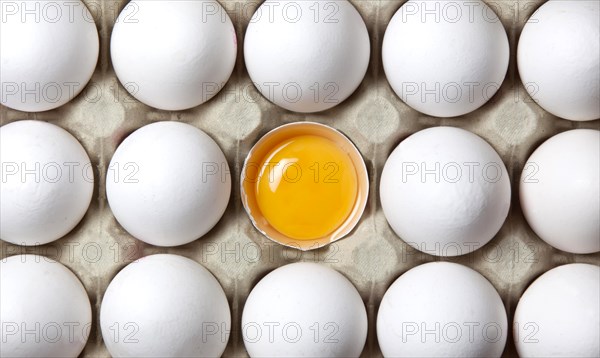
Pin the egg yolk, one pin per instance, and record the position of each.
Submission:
(306, 187)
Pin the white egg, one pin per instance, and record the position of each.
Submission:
(559, 58)
(44, 309)
(165, 306)
(47, 182)
(307, 56)
(441, 309)
(559, 315)
(173, 55)
(445, 191)
(48, 53)
(560, 191)
(168, 183)
(445, 58)
(304, 310)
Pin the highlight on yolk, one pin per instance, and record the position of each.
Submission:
(307, 187)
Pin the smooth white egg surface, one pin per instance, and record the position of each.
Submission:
(445, 191)
(559, 58)
(445, 58)
(44, 309)
(306, 56)
(304, 310)
(47, 182)
(48, 53)
(168, 183)
(165, 306)
(559, 315)
(441, 309)
(560, 191)
(173, 55)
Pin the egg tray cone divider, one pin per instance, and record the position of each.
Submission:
(259, 152)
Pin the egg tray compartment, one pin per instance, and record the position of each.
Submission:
(374, 118)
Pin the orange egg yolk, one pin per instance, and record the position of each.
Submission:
(307, 187)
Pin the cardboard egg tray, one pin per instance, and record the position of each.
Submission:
(374, 118)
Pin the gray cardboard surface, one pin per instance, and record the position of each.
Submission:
(374, 118)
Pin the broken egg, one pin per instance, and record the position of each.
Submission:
(304, 185)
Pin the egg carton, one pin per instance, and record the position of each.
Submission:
(374, 118)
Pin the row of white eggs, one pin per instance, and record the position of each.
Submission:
(170, 306)
(444, 190)
(442, 58)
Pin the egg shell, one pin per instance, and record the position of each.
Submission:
(168, 183)
(560, 191)
(559, 315)
(441, 309)
(559, 58)
(165, 306)
(445, 58)
(173, 55)
(445, 191)
(44, 309)
(304, 310)
(47, 182)
(306, 56)
(48, 53)
(262, 148)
